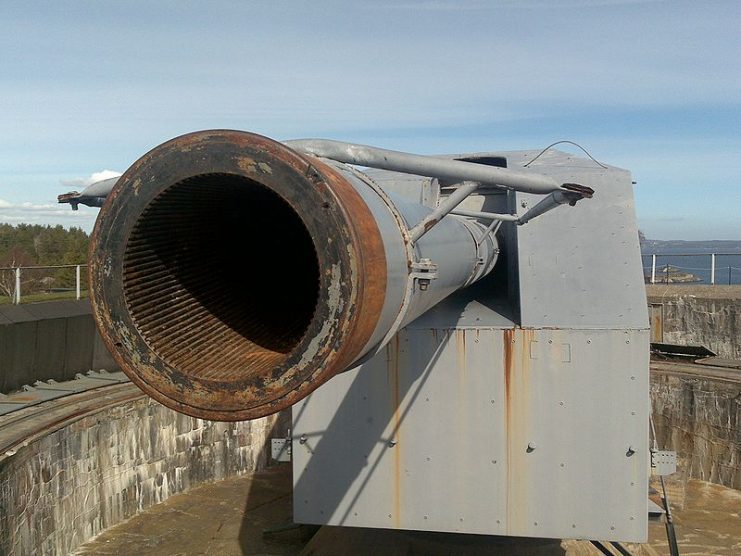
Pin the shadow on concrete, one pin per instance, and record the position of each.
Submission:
(270, 495)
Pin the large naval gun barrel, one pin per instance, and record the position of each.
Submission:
(231, 275)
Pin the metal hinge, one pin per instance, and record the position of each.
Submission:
(423, 271)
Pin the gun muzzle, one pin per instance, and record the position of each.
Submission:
(231, 275)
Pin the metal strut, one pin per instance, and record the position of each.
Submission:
(469, 174)
(430, 166)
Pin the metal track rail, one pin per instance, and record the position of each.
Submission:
(695, 370)
(29, 424)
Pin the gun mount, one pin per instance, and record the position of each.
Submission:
(488, 355)
(232, 275)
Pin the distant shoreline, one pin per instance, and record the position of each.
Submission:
(687, 246)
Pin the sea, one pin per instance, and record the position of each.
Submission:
(693, 259)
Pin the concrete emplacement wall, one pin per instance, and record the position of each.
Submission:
(82, 478)
(699, 418)
(42, 341)
(59, 491)
(697, 315)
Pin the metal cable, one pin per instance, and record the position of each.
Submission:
(570, 143)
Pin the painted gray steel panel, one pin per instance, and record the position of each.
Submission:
(518, 406)
(406, 186)
(460, 311)
(580, 267)
(433, 434)
(348, 472)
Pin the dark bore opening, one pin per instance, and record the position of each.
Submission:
(221, 277)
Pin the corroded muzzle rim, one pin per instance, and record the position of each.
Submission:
(176, 332)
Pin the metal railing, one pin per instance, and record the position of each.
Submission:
(12, 285)
(721, 269)
(708, 268)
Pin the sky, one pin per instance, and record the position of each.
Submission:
(86, 88)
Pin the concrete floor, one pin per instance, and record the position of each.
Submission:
(229, 518)
(225, 518)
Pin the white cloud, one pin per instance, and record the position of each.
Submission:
(18, 211)
(34, 207)
(8, 207)
(94, 177)
(32, 213)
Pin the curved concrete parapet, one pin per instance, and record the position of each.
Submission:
(54, 340)
(697, 414)
(108, 454)
(708, 316)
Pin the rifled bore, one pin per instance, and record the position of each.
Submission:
(208, 281)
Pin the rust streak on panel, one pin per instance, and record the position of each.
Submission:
(394, 352)
(460, 347)
(429, 225)
(508, 346)
(517, 408)
(507, 339)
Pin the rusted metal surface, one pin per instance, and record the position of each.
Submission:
(72, 198)
(177, 330)
(333, 271)
(517, 410)
(584, 191)
(370, 259)
(93, 195)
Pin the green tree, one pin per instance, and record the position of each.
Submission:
(34, 245)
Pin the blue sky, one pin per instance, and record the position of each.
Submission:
(651, 86)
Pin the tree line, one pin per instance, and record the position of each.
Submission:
(37, 245)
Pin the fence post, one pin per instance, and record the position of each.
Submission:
(712, 269)
(77, 281)
(653, 269)
(17, 299)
